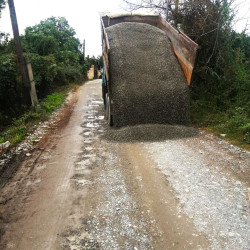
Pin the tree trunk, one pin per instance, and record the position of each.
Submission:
(21, 61)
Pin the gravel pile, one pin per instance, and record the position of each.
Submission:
(147, 83)
(149, 133)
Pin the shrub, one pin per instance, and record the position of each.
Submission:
(10, 86)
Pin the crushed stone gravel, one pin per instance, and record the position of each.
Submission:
(216, 202)
(149, 132)
(147, 83)
(118, 213)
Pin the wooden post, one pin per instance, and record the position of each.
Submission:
(33, 95)
(19, 51)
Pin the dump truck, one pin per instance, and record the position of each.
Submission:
(148, 66)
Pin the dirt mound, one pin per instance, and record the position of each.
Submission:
(147, 83)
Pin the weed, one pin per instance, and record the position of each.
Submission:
(52, 101)
(234, 122)
(22, 125)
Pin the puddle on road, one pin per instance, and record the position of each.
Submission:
(34, 182)
(88, 159)
(83, 164)
(97, 102)
(88, 148)
(83, 182)
(89, 156)
(92, 127)
(101, 117)
(87, 133)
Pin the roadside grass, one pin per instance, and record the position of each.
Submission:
(19, 127)
(232, 125)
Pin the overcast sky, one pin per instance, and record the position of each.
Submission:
(82, 15)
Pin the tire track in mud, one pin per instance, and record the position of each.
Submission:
(114, 205)
(112, 219)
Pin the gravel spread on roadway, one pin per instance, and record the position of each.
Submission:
(147, 83)
(149, 132)
(215, 200)
(118, 222)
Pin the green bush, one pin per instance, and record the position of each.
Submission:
(10, 87)
(45, 71)
(52, 101)
(56, 60)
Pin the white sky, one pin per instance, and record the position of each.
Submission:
(242, 9)
(82, 15)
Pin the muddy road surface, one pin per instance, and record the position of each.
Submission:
(87, 186)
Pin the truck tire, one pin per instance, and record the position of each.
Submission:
(109, 116)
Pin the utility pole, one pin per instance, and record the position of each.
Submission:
(21, 61)
(83, 48)
(167, 2)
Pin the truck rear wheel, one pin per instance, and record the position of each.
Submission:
(109, 116)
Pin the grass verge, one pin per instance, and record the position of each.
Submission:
(232, 124)
(21, 126)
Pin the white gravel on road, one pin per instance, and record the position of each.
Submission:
(215, 200)
(117, 212)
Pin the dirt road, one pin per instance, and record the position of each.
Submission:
(86, 186)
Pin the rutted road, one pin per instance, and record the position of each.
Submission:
(145, 187)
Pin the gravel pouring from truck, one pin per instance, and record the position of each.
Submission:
(143, 81)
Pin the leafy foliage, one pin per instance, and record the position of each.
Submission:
(55, 57)
(55, 53)
(9, 86)
(2, 5)
(221, 83)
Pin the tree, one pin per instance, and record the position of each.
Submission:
(2, 6)
(172, 7)
(165, 8)
(20, 58)
(55, 53)
(59, 29)
(207, 22)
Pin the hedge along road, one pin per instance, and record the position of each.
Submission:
(86, 186)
